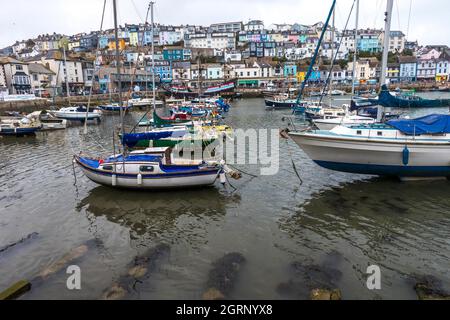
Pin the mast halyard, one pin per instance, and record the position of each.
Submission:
(153, 56)
(119, 79)
(384, 62)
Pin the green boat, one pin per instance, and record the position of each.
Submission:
(172, 142)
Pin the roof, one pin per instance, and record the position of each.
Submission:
(39, 68)
(407, 59)
(9, 60)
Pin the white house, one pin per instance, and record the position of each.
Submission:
(266, 69)
(16, 75)
(397, 41)
(215, 71)
(244, 71)
(225, 40)
(42, 78)
(181, 70)
(347, 40)
(170, 37)
(254, 25)
(70, 72)
(443, 67)
(408, 68)
(426, 69)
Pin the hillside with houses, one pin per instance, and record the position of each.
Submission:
(251, 53)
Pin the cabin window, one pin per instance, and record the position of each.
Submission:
(108, 168)
(380, 133)
(359, 132)
(147, 169)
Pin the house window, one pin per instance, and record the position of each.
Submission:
(35, 77)
(19, 67)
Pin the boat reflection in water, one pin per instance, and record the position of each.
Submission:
(402, 229)
(151, 215)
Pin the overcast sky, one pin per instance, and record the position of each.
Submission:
(23, 19)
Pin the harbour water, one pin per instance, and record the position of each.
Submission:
(330, 227)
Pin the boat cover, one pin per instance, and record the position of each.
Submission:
(132, 139)
(431, 124)
(387, 100)
(135, 158)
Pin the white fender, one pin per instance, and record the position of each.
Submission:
(114, 180)
(139, 179)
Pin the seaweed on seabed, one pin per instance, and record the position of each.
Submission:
(223, 276)
(312, 281)
(141, 268)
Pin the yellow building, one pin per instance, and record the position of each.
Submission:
(112, 44)
(301, 75)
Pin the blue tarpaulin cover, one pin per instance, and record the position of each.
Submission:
(431, 124)
(132, 139)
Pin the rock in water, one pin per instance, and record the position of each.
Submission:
(324, 294)
(223, 275)
(116, 292)
(139, 268)
(64, 261)
(213, 294)
(430, 288)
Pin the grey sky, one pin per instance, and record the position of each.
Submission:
(23, 19)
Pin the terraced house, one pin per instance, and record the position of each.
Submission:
(16, 75)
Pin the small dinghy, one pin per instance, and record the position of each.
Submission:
(77, 114)
(18, 127)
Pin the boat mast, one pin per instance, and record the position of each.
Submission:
(153, 57)
(198, 79)
(332, 55)
(65, 71)
(316, 53)
(116, 34)
(356, 50)
(387, 35)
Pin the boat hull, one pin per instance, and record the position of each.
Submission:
(158, 182)
(19, 132)
(279, 104)
(376, 158)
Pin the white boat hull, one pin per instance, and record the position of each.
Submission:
(377, 157)
(329, 124)
(152, 183)
(54, 125)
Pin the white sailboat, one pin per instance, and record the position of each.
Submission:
(326, 122)
(409, 149)
(145, 169)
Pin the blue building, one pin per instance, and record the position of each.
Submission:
(369, 41)
(89, 42)
(177, 54)
(290, 70)
(103, 41)
(163, 69)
